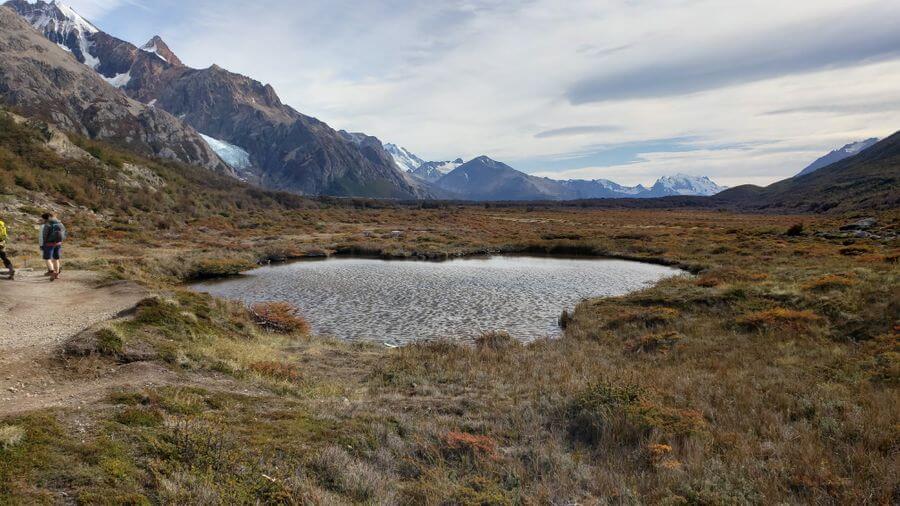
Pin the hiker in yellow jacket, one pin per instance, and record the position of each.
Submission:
(4, 234)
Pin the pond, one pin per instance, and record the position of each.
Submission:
(396, 301)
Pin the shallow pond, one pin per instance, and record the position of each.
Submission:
(399, 301)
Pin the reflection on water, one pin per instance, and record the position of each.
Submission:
(357, 298)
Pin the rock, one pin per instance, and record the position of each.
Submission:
(864, 224)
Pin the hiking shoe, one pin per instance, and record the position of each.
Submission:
(48, 273)
(54, 276)
(12, 274)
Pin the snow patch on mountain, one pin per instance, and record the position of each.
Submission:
(119, 80)
(152, 47)
(62, 25)
(406, 160)
(837, 155)
(236, 157)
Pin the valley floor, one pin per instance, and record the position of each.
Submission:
(771, 375)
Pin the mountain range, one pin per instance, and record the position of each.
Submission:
(58, 67)
(483, 178)
(286, 149)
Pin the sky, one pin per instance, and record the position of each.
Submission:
(627, 90)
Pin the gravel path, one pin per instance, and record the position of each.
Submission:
(36, 315)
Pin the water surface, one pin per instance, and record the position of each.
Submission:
(399, 301)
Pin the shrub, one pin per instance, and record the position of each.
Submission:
(109, 342)
(281, 317)
(135, 416)
(829, 282)
(495, 341)
(779, 318)
(795, 230)
(10, 436)
(606, 411)
(217, 268)
(650, 317)
(277, 371)
(471, 445)
(654, 342)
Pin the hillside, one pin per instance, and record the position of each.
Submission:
(41, 79)
(867, 181)
(288, 150)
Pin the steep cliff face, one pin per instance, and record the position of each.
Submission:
(40, 78)
(287, 150)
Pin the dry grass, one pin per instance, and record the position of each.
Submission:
(771, 377)
(280, 317)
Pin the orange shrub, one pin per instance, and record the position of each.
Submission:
(829, 282)
(277, 371)
(463, 443)
(779, 318)
(281, 317)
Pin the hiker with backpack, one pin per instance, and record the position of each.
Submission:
(4, 234)
(52, 235)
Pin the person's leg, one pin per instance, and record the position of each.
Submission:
(7, 263)
(55, 255)
(48, 257)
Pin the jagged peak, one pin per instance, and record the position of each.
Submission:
(158, 46)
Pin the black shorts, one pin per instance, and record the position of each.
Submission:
(52, 252)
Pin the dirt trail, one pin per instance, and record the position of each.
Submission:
(37, 317)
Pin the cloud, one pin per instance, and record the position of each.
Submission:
(725, 89)
(576, 130)
(840, 40)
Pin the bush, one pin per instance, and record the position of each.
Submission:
(281, 317)
(604, 411)
(650, 317)
(277, 371)
(829, 282)
(795, 230)
(218, 268)
(463, 444)
(109, 342)
(654, 342)
(10, 436)
(495, 341)
(779, 318)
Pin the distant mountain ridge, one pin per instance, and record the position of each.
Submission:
(870, 180)
(483, 178)
(837, 155)
(287, 150)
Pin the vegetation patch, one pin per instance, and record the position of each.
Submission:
(648, 317)
(496, 341)
(279, 371)
(281, 317)
(829, 282)
(779, 319)
(651, 343)
(604, 412)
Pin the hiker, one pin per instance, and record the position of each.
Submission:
(4, 234)
(52, 235)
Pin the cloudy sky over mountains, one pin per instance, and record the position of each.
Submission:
(626, 90)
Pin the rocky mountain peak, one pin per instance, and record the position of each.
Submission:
(62, 25)
(158, 46)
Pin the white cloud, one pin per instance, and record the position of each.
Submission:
(471, 77)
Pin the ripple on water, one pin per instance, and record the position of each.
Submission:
(384, 300)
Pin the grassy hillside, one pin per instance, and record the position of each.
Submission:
(770, 376)
(868, 181)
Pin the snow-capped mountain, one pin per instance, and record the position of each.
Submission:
(289, 150)
(432, 171)
(837, 155)
(683, 184)
(406, 160)
(62, 25)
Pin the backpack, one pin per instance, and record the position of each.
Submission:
(4, 233)
(54, 233)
